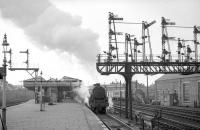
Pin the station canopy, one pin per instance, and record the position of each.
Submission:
(52, 82)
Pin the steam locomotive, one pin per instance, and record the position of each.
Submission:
(98, 100)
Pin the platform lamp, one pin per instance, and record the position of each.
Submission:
(5, 45)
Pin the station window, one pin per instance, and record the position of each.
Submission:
(186, 92)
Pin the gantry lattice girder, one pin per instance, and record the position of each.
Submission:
(106, 68)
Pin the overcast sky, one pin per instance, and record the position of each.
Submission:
(64, 36)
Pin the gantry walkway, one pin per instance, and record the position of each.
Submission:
(62, 116)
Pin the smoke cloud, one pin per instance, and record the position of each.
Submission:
(82, 94)
(48, 26)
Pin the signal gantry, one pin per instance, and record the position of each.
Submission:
(130, 63)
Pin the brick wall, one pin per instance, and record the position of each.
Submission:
(183, 85)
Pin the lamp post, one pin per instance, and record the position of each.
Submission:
(5, 44)
(41, 92)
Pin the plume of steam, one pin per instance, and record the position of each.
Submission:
(47, 26)
(110, 102)
(82, 94)
(110, 107)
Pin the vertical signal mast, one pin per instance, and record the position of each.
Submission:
(27, 57)
(195, 32)
(113, 36)
(165, 38)
(128, 48)
(145, 34)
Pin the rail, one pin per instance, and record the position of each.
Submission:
(113, 123)
(120, 121)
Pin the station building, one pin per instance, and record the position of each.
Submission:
(54, 90)
(178, 90)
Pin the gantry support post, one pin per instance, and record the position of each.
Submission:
(126, 98)
(129, 77)
(128, 92)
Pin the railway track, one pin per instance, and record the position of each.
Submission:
(186, 114)
(15, 102)
(183, 119)
(113, 123)
(170, 119)
(189, 114)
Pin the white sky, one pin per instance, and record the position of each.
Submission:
(57, 63)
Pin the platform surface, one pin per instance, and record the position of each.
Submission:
(62, 116)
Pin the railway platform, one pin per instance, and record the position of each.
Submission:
(61, 116)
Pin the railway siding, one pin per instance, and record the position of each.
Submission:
(167, 117)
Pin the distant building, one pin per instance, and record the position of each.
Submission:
(54, 90)
(138, 91)
(152, 92)
(181, 90)
(113, 90)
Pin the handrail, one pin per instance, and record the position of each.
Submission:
(104, 58)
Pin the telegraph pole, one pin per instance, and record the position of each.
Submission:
(120, 99)
(147, 89)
